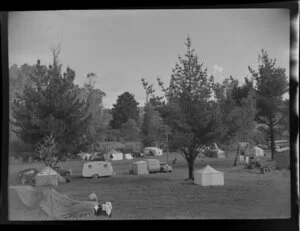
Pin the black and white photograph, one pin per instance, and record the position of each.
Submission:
(146, 114)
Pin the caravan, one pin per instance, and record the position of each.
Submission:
(97, 169)
(153, 151)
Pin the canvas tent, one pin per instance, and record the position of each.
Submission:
(140, 168)
(115, 155)
(256, 152)
(47, 204)
(86, 156)
(48, 176)
(153, 150)
(128, 156)
(208, 176)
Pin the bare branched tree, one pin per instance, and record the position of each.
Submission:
(55, 50)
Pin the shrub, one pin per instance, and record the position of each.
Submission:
(227, 147)
(47, 151)
(103, 147)
(131, 147)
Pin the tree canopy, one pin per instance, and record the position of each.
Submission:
(271, 85)
(50, 106)
(130, 131)
(188, 111)
(125, 108)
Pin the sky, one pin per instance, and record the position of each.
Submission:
(123, 46)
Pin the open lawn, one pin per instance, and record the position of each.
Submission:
(167, 196)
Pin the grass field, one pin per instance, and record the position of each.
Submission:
(167, 196)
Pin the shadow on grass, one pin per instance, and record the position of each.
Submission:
(187, 182)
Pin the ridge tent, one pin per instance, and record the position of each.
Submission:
(128, 156)
(208, 176)
(48, 176)
(115, 155)
(140, 168)
(257, 152)
(47, 204)
(153, 150)
(84, 156)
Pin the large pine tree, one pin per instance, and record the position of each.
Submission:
(188, 111)
(125, 108)
(50, 107)
(271, 85)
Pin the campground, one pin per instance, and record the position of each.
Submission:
(247, 194)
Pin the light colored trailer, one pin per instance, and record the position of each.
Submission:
(97, 169)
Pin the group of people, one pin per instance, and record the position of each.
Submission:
(101, 209)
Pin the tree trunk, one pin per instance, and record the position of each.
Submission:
(272, 140)
(191, 169)
(168, 157)
(237, 155)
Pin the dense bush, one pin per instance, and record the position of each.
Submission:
(227, 147)
(103, 147)
(132, 147)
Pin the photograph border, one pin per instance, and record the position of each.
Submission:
(247, 224)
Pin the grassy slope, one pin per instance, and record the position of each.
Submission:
(168, 196)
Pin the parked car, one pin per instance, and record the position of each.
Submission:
(262, 146)
(62, 171)
(27, 175)
(164, 167)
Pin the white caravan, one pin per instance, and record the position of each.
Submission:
(97, 169)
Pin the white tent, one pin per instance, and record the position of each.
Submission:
(208, 176)
(128, 156)
(115, 155)
(140, 168)
(256, 152)
(84, 156)
(156, 151)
